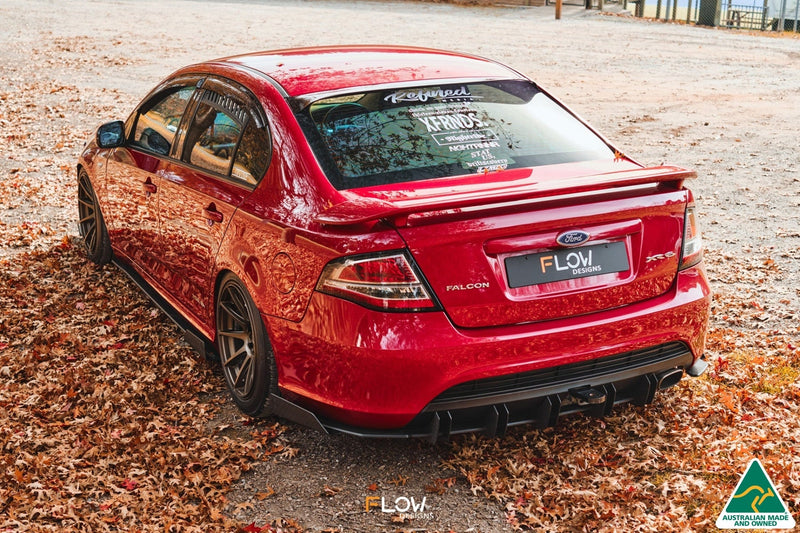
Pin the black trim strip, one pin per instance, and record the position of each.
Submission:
(549, 380)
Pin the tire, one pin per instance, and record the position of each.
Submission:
(245, 352)
(91, 225)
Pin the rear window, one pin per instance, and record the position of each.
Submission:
(394, 136)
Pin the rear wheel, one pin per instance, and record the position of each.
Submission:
(91, 225)
(245, 352)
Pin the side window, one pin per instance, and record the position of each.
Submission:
(157, 124)
(225, 138)
(252, 156)
(211, 139)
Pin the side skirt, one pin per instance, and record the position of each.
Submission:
(282, 408)
(192, 335)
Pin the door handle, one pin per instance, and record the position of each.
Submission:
(212, 215)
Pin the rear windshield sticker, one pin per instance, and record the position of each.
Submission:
(466, 140)
(465, 132)
(456, 121)
(423, 95)
(481, 167)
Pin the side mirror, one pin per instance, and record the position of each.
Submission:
(111, 134)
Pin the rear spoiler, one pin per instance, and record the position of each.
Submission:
(363, 209)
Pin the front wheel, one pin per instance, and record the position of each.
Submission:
(91, 224)
(245, 352)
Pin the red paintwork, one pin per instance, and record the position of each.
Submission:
(455, 253)
(376, 369)
(368, 368)
(310, 70)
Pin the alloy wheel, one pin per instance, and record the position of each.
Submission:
(237, 344)
(88, 214)
(91, 225)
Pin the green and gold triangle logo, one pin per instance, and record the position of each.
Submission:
(755, 503)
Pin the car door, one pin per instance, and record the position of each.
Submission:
(133, 175)
(201, 191)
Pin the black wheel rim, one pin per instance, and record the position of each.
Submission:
(89, 215)
(236, 343)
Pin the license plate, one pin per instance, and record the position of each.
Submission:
(564, 264)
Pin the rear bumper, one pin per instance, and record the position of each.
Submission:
(397, 374)
(548, 394)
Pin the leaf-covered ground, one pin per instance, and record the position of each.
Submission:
(104, 411)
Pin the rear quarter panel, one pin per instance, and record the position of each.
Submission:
(273, 243)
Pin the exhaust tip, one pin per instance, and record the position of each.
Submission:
(670, 378)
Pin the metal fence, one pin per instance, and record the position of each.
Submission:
(764, 15)
(748, 17)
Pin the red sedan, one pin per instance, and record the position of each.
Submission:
(395, 241)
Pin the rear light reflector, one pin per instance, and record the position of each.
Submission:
(387, 282)
(692, 252)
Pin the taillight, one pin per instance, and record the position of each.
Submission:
(382, 281)
(692, 252)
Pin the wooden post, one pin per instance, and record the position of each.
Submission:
(558, 9)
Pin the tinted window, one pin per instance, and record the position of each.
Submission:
(157, 123)
(383, 137)
(211, 139)
(253, 153)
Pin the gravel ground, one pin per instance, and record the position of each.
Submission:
(725, 103)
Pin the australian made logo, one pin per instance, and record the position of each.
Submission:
(755, 504)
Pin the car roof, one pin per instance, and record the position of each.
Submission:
(302, 71)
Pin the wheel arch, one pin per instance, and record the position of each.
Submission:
(258, 337)
(221, 274)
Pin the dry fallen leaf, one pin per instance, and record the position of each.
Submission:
(260, 496)
(329, 491)
(107, 399)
